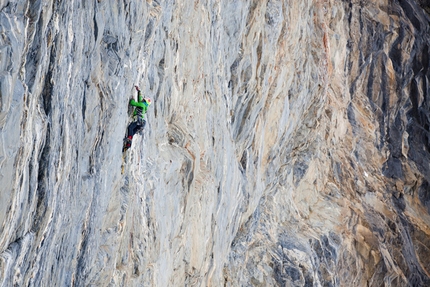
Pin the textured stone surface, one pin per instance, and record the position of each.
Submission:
(287, 143)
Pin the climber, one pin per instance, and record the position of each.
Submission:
(141, 106)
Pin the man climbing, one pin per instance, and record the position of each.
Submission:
(140, 109)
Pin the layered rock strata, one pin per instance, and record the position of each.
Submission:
(287, 143)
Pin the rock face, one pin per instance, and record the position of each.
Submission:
(287, 143)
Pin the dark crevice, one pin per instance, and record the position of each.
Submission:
(96, 28)
(395, 139)
(370, 82)
(81, 257)
(84, 104)
(395, 53)
(43, 170)
(392, 168)
(424, 195)
(244, 160)
(42, 183)
(34, 52)
(411, 13)
(47, 91)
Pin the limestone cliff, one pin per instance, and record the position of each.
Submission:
(287, 143)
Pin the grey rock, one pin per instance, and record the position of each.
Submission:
(287, 143)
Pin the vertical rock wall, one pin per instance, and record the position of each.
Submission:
(351, 206)
(287, 143)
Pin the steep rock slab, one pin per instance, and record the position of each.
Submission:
(352, 209)
(63, 117)
(278, 149)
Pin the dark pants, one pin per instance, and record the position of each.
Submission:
(135, 127)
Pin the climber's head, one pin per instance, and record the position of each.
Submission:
(148, 101)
